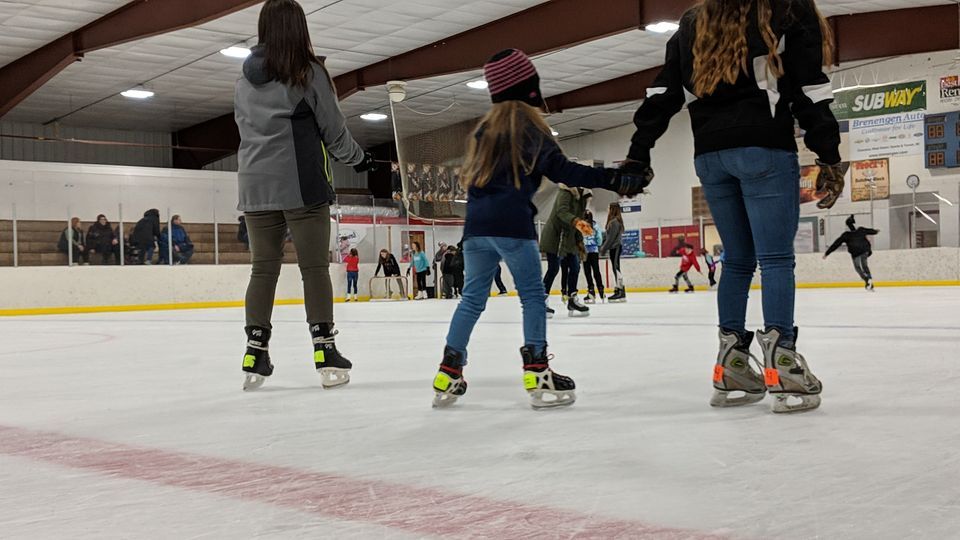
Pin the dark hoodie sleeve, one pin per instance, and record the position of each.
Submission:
(836, 244)
(870, 232)
(330, 120)
(812, 91)
(552, 163)
(665, 98)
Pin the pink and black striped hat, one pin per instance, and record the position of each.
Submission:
(510, 76)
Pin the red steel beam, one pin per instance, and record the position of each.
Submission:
(136, 20)
(861, 36)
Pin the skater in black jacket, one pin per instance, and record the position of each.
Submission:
(859, 248)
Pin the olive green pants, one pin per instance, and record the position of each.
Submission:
(310, 228)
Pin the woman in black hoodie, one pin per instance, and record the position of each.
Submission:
(101, 239)
(145, 235)
(747, 71)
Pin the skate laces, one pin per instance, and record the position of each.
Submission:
(328, 340)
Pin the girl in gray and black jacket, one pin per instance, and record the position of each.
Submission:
(291, 127)
(612, 244)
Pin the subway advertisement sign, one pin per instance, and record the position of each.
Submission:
(865, 102)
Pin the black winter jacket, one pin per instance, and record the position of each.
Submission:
(390, 267)
(100, 237)
(856, 241)
(758, 110)
(147, 230)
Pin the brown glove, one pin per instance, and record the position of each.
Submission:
(830, 184)
(585, 228)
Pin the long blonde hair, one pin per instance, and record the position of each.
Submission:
(720, 49)
(502, 131)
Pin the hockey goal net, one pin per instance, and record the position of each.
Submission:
(394, 288)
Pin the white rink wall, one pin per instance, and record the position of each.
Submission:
(105, 286)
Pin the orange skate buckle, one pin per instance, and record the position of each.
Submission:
(717, 373)
(771, 377)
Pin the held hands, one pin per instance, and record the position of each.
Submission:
(585, 228)
(830, 181)
(630, 179)
(368, 164)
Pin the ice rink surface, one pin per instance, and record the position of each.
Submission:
(134, 426)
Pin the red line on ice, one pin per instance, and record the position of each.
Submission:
(415, 509)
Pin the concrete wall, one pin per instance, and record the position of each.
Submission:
(47, 287)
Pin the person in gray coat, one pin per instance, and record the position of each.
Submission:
(291, 127)
(613, 244)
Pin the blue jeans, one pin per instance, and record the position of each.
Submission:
(481, 257)
(352, 278)
(754, 196)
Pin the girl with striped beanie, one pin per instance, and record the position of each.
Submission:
(509, 154)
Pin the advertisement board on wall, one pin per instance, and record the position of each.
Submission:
(863, 172)
(950, 89)
(631, 244)
(864, 102)
(892, 135)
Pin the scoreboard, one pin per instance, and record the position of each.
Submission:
(942, 140)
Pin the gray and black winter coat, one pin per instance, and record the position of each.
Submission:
(288, 137)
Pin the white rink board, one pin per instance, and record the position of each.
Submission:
(641, 445)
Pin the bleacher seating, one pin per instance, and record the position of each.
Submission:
(37, 243)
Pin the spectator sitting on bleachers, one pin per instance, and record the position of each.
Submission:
(101, 239)
(182, 246)
(145, 235)
(242, 235)
(79, 252)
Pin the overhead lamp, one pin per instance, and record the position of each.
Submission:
(137, 93)
(479, 84)
(236, 52)
(925, 215)
(374, 117)
(663, 27)
(937, 195)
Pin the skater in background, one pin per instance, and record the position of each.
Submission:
(562, 242)
(182, 245)
(284, 182)
(748, 70)
(420, 266)
(509, 154)
(591, 265)
(613, 245)
(498, 280)
(711, 266)
(458, 270)
(446, 272)
(858, 245)
(688, 260)
(352, 260)
(242, 235)
(391, 268)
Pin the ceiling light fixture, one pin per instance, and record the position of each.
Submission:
(479, 84)
(137, 93)
(235, 52)
(937, 195)
(663, 27)
(374, 117)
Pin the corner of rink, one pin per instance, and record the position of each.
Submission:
(85, 289)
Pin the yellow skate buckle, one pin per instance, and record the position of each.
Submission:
(249, 360)
(442, 382)
(319, 357)
(530, 381)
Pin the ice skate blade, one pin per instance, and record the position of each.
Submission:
(253, 381)
(334, 377)
(808, 402)
(551, 399)
(443, 400)
(574, 313)
(617, 301)
(722, 399)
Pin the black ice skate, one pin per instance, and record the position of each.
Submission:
(550, 310)
(619, 296)
(787, 375)
(869, 285)
(575, 308)
(449, 383)
(733, 373)
(547, 389)
(675, 289)
(256, 361)
(333, 368)
(591, 297)
(689, 289)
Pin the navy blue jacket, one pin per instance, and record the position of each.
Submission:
(500, 209)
